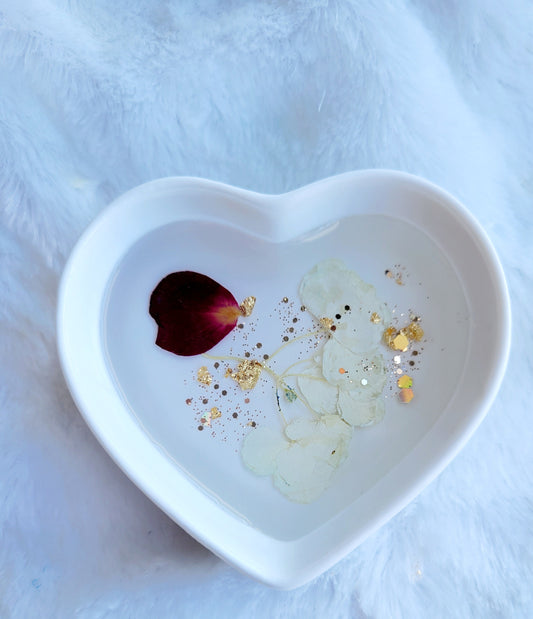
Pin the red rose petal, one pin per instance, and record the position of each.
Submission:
(193, 312)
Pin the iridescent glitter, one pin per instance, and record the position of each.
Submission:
(405, 382)
(406, 395)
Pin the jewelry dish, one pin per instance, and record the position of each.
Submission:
(419, 247)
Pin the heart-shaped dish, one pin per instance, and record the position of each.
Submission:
(137, 397)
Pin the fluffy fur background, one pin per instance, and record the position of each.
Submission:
(97, 97)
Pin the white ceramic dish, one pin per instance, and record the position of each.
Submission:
(132, 394)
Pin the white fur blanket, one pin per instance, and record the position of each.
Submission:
(97, 97)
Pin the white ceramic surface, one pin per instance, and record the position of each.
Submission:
(132, 394)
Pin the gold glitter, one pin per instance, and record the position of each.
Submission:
(215, 413)
(247, 306)
(375, 318)
(204, 376)
(327, 323)
(406, 395)
(247, 374)
(285, 300)
(405, 382)
(414, 331)
(400, 342)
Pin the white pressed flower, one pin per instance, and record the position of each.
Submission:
(303, 462)
(342, 384)
(319, 394)
(362, 373)
(360, 412)
(329, 289)
(261, 448)
(355, 394)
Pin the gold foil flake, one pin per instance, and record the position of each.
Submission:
(400, 342)
(327, 323)
(204, 376)
(375, 318)
(247, 374)
(414, 331)
(400, 339)
(247, 306)
(406, 395)
(405, 382)
(388, 336)
(215, 413)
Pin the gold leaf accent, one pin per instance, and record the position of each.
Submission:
(204, 376)
(247, 306)
(247, 374)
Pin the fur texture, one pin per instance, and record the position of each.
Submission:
(97, 97)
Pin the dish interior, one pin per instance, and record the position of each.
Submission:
(155, 385)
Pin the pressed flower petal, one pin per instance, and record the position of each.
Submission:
(359, 412)
(328, 436)
(318, 446)
(329, 288)
(319, 394)
(357, 368)
(261, 448)
(193, 312)
(300, 476)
